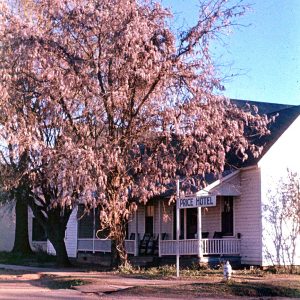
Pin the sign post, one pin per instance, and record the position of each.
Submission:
(199, 233)
(177, 227)
(191, 202)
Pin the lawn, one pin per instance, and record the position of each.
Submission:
(37, 259)
(160, 282)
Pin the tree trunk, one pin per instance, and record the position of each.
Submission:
(56, 235)
(21, 243)
(118, 251)
(115, 260)
(54, 222)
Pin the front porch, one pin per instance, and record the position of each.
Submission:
(216, 226)
(224, 246)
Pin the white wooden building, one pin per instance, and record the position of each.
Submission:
(236, 226)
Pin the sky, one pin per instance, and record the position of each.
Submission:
(264, 57)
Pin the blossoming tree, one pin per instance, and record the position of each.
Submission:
(111, 106)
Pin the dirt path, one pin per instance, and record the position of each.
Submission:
(34, 283)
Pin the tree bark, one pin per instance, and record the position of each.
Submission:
(119, 255)
(115, 260)
(21, 243)
(56, 235)
(55, 225)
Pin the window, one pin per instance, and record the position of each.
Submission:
(85, 223)
(89, 224)
(227, 216)
(38, 232)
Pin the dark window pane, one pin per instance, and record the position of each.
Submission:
(85, 223)
(227, 216)
(149, 225)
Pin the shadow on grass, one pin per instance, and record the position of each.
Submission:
(36, 259)
(55, 283)
(52, 282)
(248, 289)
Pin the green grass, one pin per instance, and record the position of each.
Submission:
(187, 272)
(217, 290)
(36, 259)
(262, 290)
(195, 271)
(166, 271)
(245, 282)
(55, 283)
(249, 289)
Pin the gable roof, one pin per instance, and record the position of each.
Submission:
(263, 107)
(285, 116)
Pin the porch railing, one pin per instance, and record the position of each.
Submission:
(168, 247)
(102, 245)
(209, 246)
(130, 246)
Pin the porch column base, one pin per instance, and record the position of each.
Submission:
(202, 264)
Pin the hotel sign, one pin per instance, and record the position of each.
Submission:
(201, 201)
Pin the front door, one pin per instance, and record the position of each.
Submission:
(191, 223)
(149, 215)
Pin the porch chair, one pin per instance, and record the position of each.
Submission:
(218, 235)
(151, 245)
(164, 236)
(144, 243)
(132, 236)
(155, 243)
(204, 235)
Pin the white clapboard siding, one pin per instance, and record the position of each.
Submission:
(167, 224)
(165, 220)
(248, 216)
(70, 237)
(283, 155)
(211, 219)
(140, 215)
(7, 223)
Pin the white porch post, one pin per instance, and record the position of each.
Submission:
(136, 238)
(199, 234)
(159, 227)
(177, 227)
